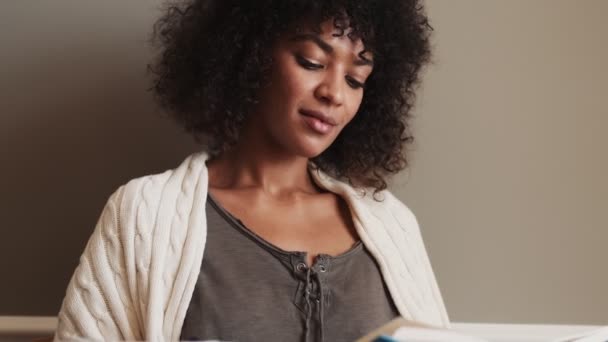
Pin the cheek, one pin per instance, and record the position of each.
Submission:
(297, 84)
(292, 81)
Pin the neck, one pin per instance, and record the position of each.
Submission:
(262, 168)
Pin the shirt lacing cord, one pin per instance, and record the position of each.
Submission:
(308, 305)
(319, 298)
(322, 304)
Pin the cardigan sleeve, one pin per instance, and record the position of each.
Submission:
(97, 304)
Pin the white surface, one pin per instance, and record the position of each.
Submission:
(523, 332)
(416, 334)
(44, 326)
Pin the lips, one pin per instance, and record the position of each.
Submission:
(324, 118)
(318, 122)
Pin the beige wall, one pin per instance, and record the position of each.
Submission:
(508, 177)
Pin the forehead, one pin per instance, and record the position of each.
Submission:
(332, 31)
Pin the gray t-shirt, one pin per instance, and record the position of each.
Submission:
(251, 290)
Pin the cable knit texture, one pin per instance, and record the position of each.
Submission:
(137, 274)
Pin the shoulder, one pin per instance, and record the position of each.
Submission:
(369, 206)
(152, 211)
(387, 208)
(385, 201)
(141, 202)
(149, 190)
(190, 169)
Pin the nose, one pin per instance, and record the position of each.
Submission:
(330, 90)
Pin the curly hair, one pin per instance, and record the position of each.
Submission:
(214, 57)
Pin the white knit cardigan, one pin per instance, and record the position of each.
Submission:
(137, 274)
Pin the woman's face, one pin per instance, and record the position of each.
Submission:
(315, 89)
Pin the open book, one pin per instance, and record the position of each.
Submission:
(402, 330)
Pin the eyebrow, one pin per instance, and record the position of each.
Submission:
(328, 48)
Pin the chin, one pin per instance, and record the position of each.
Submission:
(307, 145)
(311, 151)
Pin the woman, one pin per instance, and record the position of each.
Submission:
(282, 228)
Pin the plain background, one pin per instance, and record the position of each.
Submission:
(509, 167)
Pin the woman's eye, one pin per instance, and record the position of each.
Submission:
(354, 83)
(305, 63)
